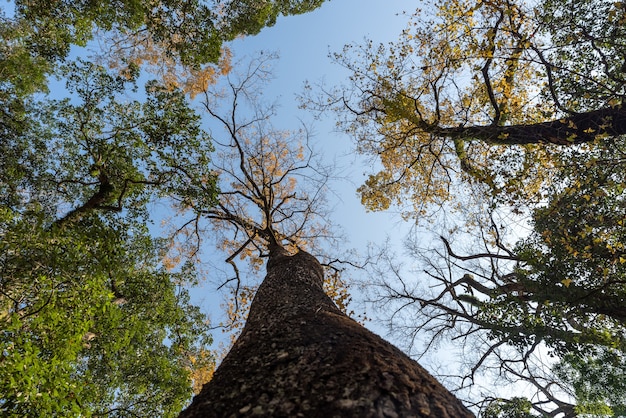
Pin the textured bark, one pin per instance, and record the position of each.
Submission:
(300, 356)
(574, 129)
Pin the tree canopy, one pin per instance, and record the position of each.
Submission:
(517, 107)
(556, 292)
(272, 190)
(193, 31)
(514, 106)
(466, 78)
(92, 321)
(96, 317)
(181, 41)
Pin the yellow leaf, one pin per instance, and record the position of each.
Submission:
(566, 282)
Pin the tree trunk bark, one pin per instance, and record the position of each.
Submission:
(300, 356)
(574, 129)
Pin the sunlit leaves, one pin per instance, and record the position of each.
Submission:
(179, 39)
(124, 52)
(202, 366)
(137, 150)
(248, 17)
(92, 322)
(482, 75)
(421, 84)
(89, 321)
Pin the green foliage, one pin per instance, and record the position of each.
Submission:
(575, 260)
(22, 72)
(563, 288)
(588, 55)
(189, 31)
(248, 17)
(509, 408)
(466, 78)
(94, 319)
(92, 322)
(134, 150)
(186, 28)
(598, 382)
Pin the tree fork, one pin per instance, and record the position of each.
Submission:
(299, 355)
(105, 189)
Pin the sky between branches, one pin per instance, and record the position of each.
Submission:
(303, 44)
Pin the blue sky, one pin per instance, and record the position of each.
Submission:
(304, 44)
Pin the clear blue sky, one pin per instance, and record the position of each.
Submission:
(303, 44)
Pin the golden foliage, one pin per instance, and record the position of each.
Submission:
(139, 50)
(237, 309)
(201, 369)
(468, 65)
(339, 291)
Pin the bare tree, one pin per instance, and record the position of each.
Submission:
(298, 353)
(509, 329)
(272, 188)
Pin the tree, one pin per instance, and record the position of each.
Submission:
(86, 331)
(481, 91)
(597, 382)
(513, 408)
(92, 323)
(249, 17)
(523, 103)
(298, 352)
(264, 173)
(180, 33)
(192, 31)
(558, 289)
(95, 315)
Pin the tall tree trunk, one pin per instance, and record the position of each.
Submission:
(299, 355)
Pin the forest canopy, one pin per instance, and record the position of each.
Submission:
(516, 108)
(481, 117)
(95, 312)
